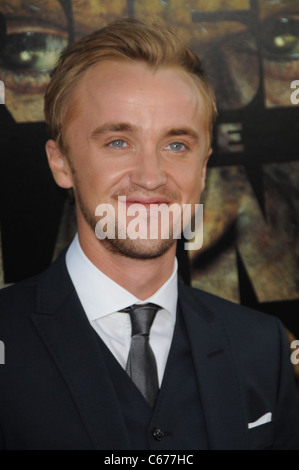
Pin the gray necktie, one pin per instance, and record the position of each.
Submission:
(141, 365)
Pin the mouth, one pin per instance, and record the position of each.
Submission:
(145, 202)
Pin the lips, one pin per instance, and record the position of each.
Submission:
(147, 201)
(151, 198)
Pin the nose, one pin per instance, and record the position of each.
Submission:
(148, 172)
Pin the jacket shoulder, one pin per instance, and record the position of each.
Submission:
(215, 308)
(23, 296)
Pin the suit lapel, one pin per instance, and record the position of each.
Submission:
(64, 328)
(216, 374)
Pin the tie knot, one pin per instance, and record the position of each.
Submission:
(142, 317)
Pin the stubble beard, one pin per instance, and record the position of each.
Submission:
(138, 249)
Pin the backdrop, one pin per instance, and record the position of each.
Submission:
(251, 51)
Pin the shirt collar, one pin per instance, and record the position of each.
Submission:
(102, 296)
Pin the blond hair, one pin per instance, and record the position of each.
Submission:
(122, 40)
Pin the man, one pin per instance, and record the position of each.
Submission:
(39, 29)
(130, 112)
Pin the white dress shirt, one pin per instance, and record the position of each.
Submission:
(102, 299)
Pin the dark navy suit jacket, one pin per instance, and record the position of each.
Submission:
(55, 393)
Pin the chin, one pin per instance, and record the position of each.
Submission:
(139, 249)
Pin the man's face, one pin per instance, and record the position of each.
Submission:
(139, 134)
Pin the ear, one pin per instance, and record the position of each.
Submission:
(59, 165)
(204, 169)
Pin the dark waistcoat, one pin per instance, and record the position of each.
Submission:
(176, 422)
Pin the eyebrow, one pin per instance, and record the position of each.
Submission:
(188, 131)
(113, 127)
(126, 127)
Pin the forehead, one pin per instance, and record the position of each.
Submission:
(119, 88)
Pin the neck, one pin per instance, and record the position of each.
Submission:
(140, 277)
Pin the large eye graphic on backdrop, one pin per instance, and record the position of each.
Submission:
(233, 62)
(281, 38)
(37, 31)
(35, 52)
(280, 48)
(27, 58)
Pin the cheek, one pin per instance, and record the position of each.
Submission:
(88, 168)
(97, 181)
(196, 192)
(190, 182)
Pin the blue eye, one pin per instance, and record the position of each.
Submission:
(176, 147)
(118, 144)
